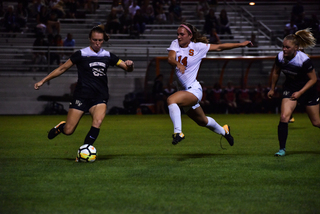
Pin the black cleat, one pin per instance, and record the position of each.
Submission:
(228, 136)
(56, 130)
(177, 137)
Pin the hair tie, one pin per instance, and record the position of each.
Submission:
(299, 36)
(186, 27)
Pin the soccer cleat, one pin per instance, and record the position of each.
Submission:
(291, 120)
(55, 130)
(281, 153)
(177, 137)
(227, 135)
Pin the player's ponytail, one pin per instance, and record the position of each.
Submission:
(99, 29)
(305, 38)
(302, 38)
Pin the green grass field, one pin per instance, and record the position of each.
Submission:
(138, 170)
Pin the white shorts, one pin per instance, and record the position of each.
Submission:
(196, 90)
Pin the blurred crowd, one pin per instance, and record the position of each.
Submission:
(232, 100)
(43, 15)
(300, 19)
(131, 16)
(221, 100)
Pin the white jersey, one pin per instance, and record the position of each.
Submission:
(190, 57)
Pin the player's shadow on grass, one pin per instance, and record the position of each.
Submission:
(298, 127)
(304, 152)
(183, 157)
(100, 157)
(110, 157)
(179, 157)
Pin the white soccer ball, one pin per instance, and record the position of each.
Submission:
(87, 153)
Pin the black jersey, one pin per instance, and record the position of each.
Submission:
(92, 72)
(295, 70)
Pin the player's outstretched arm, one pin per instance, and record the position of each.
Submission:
(55, 73)
(227, 46)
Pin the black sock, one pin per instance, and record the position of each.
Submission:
(282, 134)
(92, 135)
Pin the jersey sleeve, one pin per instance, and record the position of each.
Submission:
(203, 48)
(174, 45)
(114, 60)
(308, 66)
(277, 61)
(76, 57)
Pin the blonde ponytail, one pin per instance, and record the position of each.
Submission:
(305, 38)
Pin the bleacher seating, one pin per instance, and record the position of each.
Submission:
(157, 37)
(152, 43)
(278, 14)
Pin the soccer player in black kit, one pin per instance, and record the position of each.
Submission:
(300, 83)
(91, 92)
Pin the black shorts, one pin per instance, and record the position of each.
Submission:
(309, 98)
(84, 104)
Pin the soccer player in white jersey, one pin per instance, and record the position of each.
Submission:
(300, 83)
(186, 53)
(91, 93)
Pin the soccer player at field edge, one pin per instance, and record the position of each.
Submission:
(186, 53)
(299, 85)
(91, 92)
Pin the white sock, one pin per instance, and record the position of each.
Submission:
(175, 115)
(214, 126)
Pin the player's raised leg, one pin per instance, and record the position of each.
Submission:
(201, 119)
(67, 127)
(313, 113)
(56, 130)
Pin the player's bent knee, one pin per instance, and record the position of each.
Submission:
(68, 131)
(170, 101)
(284, 118)
(202, 123)
(97, 123)
(316, 124)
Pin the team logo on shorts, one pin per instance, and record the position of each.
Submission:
(78, 103)
(285, 93)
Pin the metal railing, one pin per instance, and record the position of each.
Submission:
(246, 15)
(24, 58)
